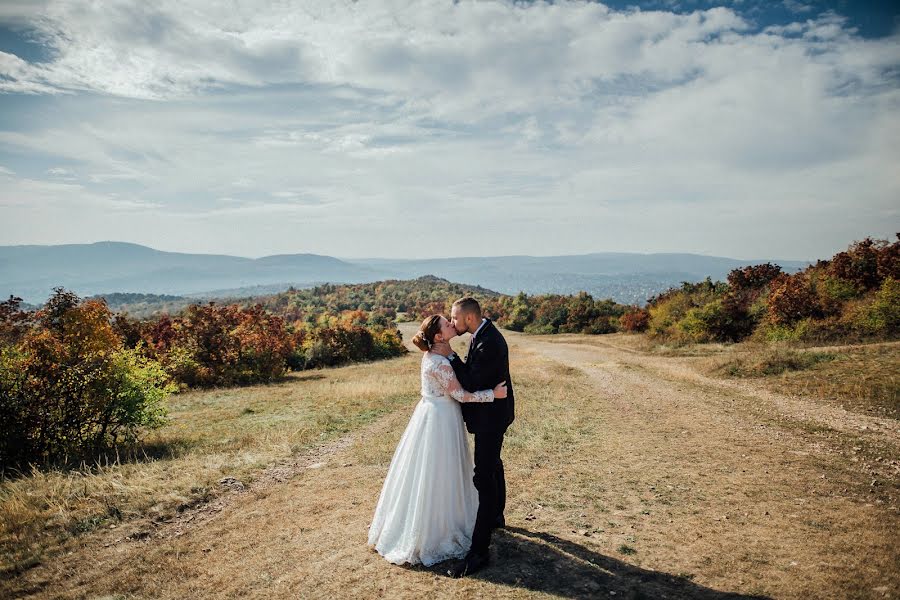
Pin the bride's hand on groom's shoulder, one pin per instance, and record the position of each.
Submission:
(442, 348)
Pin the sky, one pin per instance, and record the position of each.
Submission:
(749, 129)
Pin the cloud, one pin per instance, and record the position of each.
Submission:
(434, 50)
(797, 7)
(304, 122)
(40, 195)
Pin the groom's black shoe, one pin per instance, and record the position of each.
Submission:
(470, 564)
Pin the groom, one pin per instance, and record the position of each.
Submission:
(486, 365)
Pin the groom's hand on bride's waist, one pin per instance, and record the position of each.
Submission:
(442, 348)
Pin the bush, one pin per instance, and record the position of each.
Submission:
(540, 329)
(635, 320)
(331, 346)
(867, 263)
(792, 298)
(666, 313)
(69, 388)
(519, 313)
(880, 315)
(752, 277)
(833, 293)
(707, 323)
(600, 325)
(221, 345)
(181, 364)
(388, 343)
(138, 387)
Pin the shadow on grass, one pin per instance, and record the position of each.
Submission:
(139, 452)
(543, 562)
(150, 450)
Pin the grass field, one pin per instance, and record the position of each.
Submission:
(633, 472)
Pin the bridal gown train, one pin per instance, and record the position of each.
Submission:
(428, 503)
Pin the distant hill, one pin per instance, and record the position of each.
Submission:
(31, 272)
(416, 297)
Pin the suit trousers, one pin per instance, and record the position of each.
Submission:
(491, 485)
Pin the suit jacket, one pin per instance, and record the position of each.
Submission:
(486, 365)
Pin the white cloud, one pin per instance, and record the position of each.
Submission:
(322, 126)
(38, 195)
(797, 7)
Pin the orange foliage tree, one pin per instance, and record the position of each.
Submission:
(69, 387)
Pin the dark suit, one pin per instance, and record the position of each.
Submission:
(487, 365)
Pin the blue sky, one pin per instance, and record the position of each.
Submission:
(425, 129)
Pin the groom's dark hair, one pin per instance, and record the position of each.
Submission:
(469, 305)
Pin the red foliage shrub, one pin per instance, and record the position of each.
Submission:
(635, 320)
(867, 263)
(791, 299)
(753, 277)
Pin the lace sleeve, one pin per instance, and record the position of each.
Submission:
(450, 384)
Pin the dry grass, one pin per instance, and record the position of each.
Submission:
(859, 378)
(774, 361)
(227, 432)
(621, 479)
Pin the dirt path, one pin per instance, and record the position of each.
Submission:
(630, 476)
(599, 355)
(752, 448)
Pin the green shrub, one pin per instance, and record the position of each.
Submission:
(880, 314)
(836, 290)
(540, 329)
(665, 314)
(694, 326)
(137, 387)
(184, 368)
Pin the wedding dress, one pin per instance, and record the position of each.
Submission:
(428, 503)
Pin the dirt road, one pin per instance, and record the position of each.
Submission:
(783, 491)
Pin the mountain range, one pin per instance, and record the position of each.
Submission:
(31, 272)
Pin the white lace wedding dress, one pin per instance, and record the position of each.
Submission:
(427, 507)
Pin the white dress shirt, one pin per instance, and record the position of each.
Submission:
(471, 341)
(483, 321)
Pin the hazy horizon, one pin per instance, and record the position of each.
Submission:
(443, 257)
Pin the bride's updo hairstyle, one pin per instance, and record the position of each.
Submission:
(429, 328)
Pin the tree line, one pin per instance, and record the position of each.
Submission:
(853, 296)
(76, 378)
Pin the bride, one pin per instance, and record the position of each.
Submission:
(428, 503)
